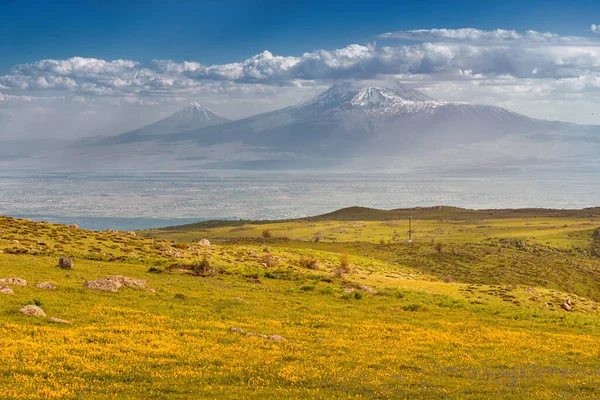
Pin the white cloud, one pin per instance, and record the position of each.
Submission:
(503, 67)
(490, 37)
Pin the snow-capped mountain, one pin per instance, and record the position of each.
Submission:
(365, 124)
(349, 115)
(191, 117)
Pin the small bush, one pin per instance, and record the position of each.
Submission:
(308, 288)
(155, 270)
(204, 268)
(344, 267)
(413, 307)
(35, 302)
(179, 296)
(353, 295)
(268, 260)
(310, 263)
(266, 234)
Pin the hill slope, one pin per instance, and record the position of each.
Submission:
(232, 320)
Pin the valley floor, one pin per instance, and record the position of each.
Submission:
(472, 309)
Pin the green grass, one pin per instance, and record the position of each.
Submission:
(478, 317)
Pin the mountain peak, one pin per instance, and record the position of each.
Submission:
(196, 112)
(356, 95)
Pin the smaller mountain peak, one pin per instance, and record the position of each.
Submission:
(194, 105)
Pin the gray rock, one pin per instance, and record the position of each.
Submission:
(59, 321)
(65, 263)
(236, 330)
(32, 310)
(204, 243)
(46, 285)
(6, 290)
(14, 281)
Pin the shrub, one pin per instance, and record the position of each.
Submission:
(356, 295)
(35, 302)
(344, 267)
(310, 263)
(268, 260)
(345, 263)
(308, 288)
(413, 307)
(266, 234)
(439, 247)
(155, 270)
(204, 268)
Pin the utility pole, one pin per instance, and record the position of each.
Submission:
(410, 229)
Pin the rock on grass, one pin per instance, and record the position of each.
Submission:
(6, 290)
(65, 263)
(46, 285)
(32, 310)
(59, 321)
(14, 281)
(114, 283)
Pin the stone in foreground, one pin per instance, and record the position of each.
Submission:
(6, 290)
(32, 310)
(14, 281)
(46, 285)
(65, 263)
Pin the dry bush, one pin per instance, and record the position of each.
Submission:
(343, 268)
(310, 263)
(268, 260)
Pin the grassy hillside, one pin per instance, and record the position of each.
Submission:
(423, 213)
(472, 309)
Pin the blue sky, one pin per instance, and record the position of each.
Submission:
(79, 68)
(229, 30)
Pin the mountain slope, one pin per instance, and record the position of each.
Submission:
(191, 117)
(356, 126)
(348, 115)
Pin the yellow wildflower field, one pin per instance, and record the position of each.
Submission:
(384, 330)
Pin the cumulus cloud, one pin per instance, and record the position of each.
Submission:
(490, 66)
(497, 36)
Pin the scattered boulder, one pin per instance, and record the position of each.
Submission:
(32, 310)
(65, 263)
(129, 282)
(239, 299)
(236, 330)
(46, 285)
(59, 321)
(74, 226)
(14, 281)
(363, 288)
(103, 285)
(566, 305)
(6, 290)
(132, 233)
(529, 290)
(204, 243)
(114, 283)
(277, 338)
